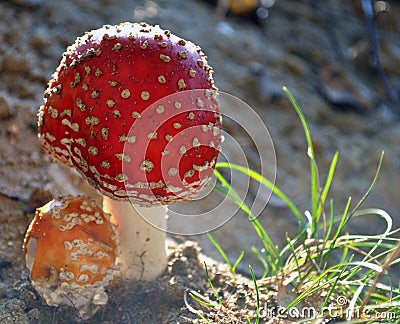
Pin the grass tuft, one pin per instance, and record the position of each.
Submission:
(338, 274)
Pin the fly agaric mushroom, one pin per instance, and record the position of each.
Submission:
(70, 250)
(134, 109)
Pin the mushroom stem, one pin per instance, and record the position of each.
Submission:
(142, 253)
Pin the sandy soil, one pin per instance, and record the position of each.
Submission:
(315, 50)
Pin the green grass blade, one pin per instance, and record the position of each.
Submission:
(274, 255)
(220, 250)
(238, 260)
(332, 289)
(212, 286)
(294, 255)
(265, 182)
(263, 261)
(378, 169)
(257, 294)
(202, 302)
(327, 186)
(310, 153)
(343, 222)
(331, 223)
(231, 193)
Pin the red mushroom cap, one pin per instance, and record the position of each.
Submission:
(119, 110)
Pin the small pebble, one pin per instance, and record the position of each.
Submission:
(33, 314)
(191, 250)
(13, 130)
(5, 109)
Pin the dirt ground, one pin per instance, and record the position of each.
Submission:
(319, 50)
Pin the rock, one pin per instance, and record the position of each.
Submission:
(386, 17)
(33, 314)
(27, 3)
(16, 62)
(266, 89)
(339, 89)
(5, 109)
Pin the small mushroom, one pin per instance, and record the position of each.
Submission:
(70, 250)
(134, 109)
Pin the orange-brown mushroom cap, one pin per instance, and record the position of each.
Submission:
(71, 245)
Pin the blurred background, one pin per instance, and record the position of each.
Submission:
(341, 60)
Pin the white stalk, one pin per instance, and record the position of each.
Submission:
(142, 252)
